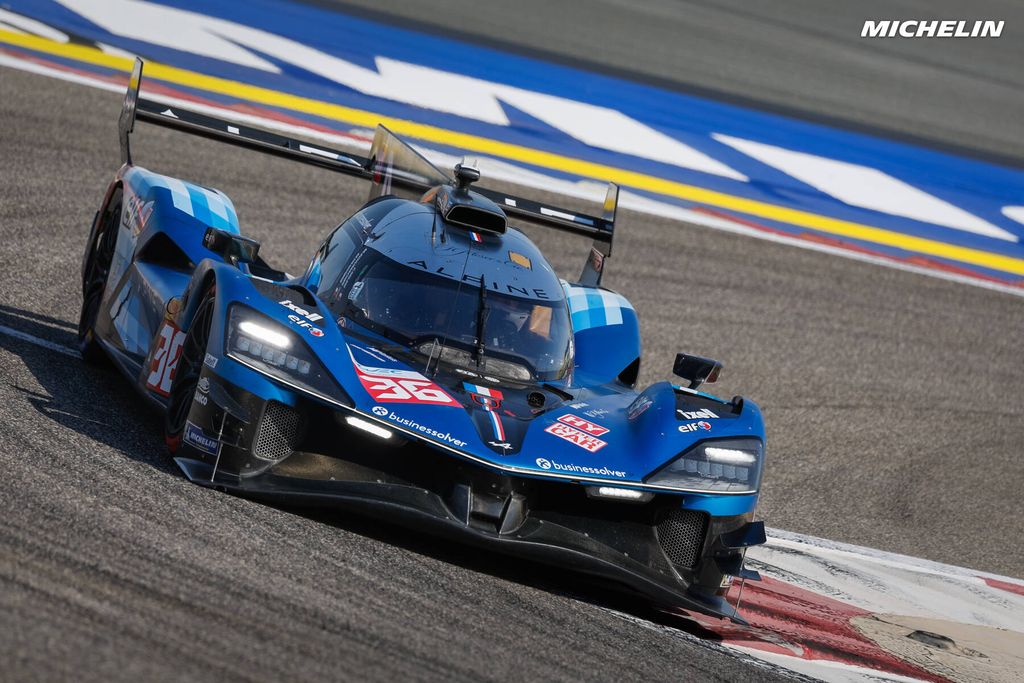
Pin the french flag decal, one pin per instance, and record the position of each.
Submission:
(475, 237)
(490, 400)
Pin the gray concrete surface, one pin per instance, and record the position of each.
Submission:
(800, 57)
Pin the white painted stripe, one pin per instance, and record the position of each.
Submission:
(606, 128)
(1014, 213)
(866, 187)
(38, 341)
(888, 583)
(782, 537)
(12, 29)
(500, 170)
(115, 51)
(22, 24)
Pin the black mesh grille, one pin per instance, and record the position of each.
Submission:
(279, 432)
(681, 536)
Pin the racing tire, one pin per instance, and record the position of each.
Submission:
(94, 281)
(186, 374)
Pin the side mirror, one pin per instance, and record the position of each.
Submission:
(696, 369)
(233, 248)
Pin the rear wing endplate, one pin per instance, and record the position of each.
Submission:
(393, 165)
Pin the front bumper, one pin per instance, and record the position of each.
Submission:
(661, 550)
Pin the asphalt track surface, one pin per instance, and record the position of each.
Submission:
(797, 57)
(892, 401)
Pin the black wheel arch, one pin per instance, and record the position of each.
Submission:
(115, 189)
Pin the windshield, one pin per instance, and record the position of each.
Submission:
(523, 339)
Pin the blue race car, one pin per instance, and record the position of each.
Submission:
(428, 367)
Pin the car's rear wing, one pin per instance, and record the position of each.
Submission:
(393, 165)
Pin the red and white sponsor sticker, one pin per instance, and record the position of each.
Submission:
(164, 361)
(392, 385)
(584, 425)
(576, 437)
(391, 389)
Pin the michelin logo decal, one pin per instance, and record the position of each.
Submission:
(932, 29)
(196, 437)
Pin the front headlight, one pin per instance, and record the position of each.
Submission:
(266, 346)
(722, 466)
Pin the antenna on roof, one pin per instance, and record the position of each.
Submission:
(465, 175)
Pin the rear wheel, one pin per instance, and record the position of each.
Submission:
(94, 282)
(186, 374)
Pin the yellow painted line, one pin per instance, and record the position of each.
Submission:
(366, 119)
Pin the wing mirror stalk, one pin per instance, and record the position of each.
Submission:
(696, 369)
(232, 248)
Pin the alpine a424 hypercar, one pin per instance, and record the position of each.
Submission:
(429, 368)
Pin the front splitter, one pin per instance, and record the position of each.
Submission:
(414, 507)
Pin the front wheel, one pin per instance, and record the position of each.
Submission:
(90, 350)
(186, 374)
(94, 283)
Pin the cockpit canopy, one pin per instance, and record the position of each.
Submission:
(461, 322)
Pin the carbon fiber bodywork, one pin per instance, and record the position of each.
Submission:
(409, 482)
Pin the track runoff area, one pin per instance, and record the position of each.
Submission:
(824, 609)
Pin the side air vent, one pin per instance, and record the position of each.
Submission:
(631, 373)
(278, 435)
(298, 295)
(681, 536)
(161, 250)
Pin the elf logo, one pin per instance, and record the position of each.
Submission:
(306, 325)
